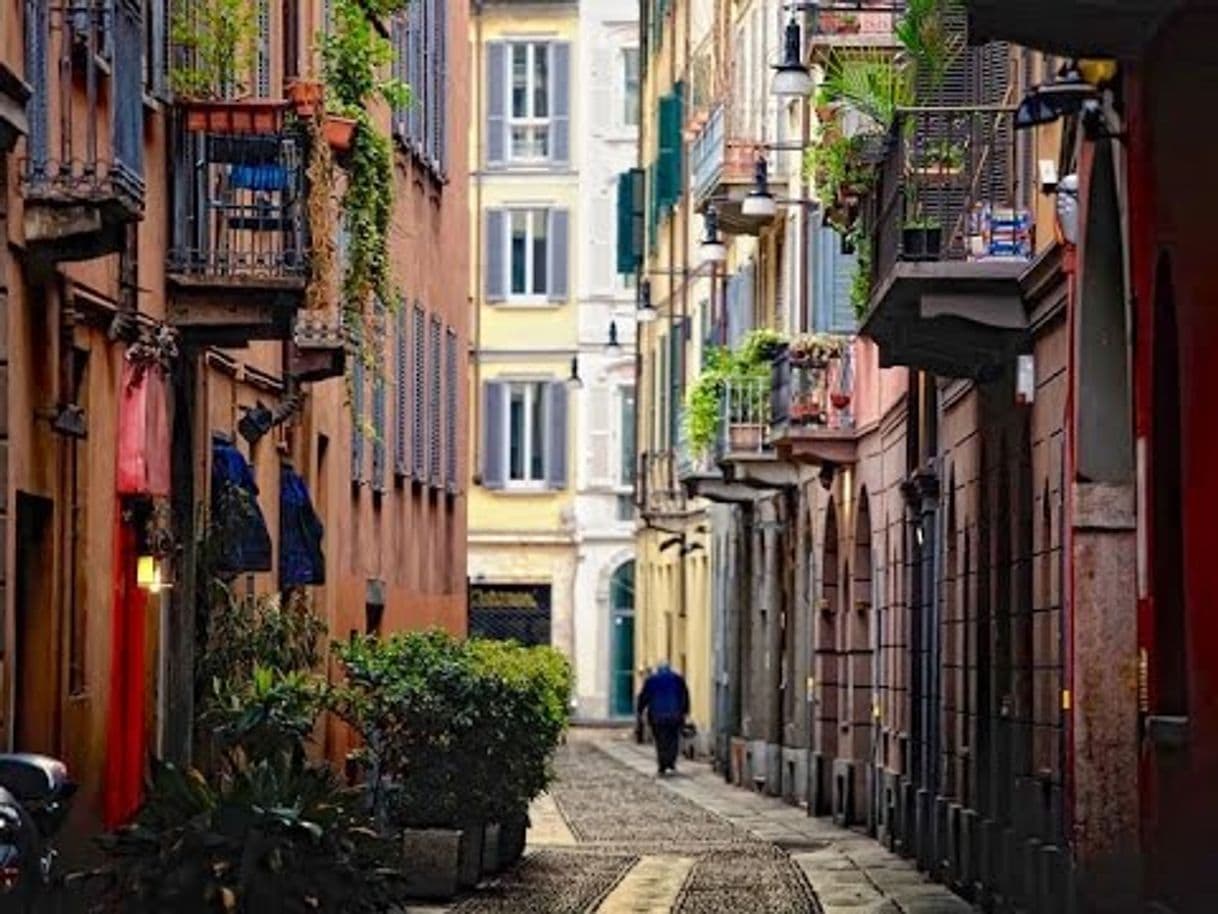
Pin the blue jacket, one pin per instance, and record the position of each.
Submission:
(665, 697)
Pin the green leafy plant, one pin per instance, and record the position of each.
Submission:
(860, 283)
(929, 38)
(704, 400)
(873, 83)
(214, 43)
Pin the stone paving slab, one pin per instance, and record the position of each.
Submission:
(850, 873)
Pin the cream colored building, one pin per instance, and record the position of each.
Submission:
(551, 519)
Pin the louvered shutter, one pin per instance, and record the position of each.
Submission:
(625, 223)
(600, 436)
(128, 98)
(560, 103)
(357, 420)
(415, 69)
(262, 81)
(398, 32)
(379, 408)
(158, 64)
(495, 278)
(441, 127)
(556, 434)
(559, 255)
(418, 439)
(451, 394)
(676, 381)
(832, 277)
(494, 445)
(497, 82)
(401, 460)
(626, 436)
(434, 439)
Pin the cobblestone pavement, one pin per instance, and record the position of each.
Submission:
(611, 838)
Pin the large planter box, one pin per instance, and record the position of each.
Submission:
(431, 860)
(470, 864)
(513, 836)
(490, 849)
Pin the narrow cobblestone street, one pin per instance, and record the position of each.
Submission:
(612, 838)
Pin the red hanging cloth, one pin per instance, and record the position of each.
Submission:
(143, 430)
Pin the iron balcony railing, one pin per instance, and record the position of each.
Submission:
(744, 428)
(84, 63)
(948, 188)
(239, 212)
(813, 389)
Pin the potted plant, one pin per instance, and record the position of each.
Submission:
(216, 44)
(305, 96)
(921, 239)
(339, 131)
(941, 162)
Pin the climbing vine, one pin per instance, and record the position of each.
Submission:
(354, 57)
(704, 399)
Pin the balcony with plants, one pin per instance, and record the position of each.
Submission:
(812, 400)
(727, 420)
(268, 181)
(82, 178)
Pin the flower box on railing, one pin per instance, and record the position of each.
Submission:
(243, 116)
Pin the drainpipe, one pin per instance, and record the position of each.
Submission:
(475, 296)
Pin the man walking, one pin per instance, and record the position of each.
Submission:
(665, 699)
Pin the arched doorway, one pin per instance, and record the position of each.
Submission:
(621, 644)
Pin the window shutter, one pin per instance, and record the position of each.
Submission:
(414, 55)
(560, 103)
(399, 30)
(441, 127)
(401, 462)
(158, 65)
(625, 223)
(495, 262)
(626, 436)
(600, 436)
(127, 96)
(435, 457)
(832, 276)
(497, 82)
(556, 439)
(559, 265)
(494, 447)
(451, 393)
(263, 62)
(676, 382)
(357, 421)
(378, 433)
(418, 425)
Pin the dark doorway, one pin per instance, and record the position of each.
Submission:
(37, 673)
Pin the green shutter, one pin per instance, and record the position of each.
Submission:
(670, 148)
(625, 223)
(653, 208)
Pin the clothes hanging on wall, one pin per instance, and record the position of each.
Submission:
(301, 560)
(241, 540)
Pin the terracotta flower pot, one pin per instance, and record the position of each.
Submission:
(305, 96)
(339, 132)
(246, 116)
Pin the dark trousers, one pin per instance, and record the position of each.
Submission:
(668, 742)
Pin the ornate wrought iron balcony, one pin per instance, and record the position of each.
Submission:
(83, 176)
(949, 237)
(239, 257)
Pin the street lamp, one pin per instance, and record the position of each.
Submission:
(791, 76)
(574, 382)
(760, 202)
(646, 311)
(713, 249)
(613, 349)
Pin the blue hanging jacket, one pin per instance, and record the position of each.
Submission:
(238, 527)
(301, 561)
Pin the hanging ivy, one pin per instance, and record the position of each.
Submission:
(704, 399)
(355, 56)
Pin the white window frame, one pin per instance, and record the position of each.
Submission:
(528, 297)
(513, 386)
(529, 121)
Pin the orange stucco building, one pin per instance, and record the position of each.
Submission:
(132, 238)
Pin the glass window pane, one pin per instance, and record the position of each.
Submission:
(627, 436)
(520, 252)
(630, 80)
(538, 444)
(520, 80)
(516, 435)
(541, 80)
(540, 245)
